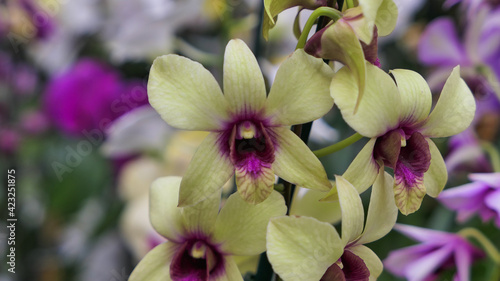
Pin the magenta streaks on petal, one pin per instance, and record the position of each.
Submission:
(414, 160)
(197, 259)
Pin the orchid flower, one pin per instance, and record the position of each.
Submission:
(202, 240)
(249, 132)
(395, 115)
(440, 46)
(439, 250)
(482, 197)
(303, 248)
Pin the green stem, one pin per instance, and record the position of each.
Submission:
(494, 155)
(338, 146)
(490, 249)
(349, 3)
(319, 12)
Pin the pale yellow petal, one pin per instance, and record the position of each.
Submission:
(244, 87)
(165, 217)
(186, 95)
(416, 97)
(207, 172)
(200, 217)
(382, 211)
(240, 228)
(302, 248)
(363, 170)
(387, 17)
(378, 110)
(231, 271)
(300, 92)
(454, 110)
(436, 177)
(156, 264)
(295, 162)
(306, 203)
(353, 215)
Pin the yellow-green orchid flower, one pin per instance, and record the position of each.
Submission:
(303, 248)
(202, 239)
(249, 132)
(396, 115)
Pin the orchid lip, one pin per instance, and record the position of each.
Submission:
(197, 259)
(248, 142)
(348, 267)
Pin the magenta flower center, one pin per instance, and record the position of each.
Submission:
(251, 147)
(196, 259)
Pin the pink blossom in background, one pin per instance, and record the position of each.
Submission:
(9, 140)
(480, 197)
(438, 251)
(34, 122)
(89, 96)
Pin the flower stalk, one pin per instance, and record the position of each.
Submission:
(319, 12)
(338, 146)
(486, 244)
(349, 3)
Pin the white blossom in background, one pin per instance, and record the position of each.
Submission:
(149, 28)
(73, 19)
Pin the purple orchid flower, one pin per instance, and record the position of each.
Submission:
(481, 196)
(441, 47)
(438, 251)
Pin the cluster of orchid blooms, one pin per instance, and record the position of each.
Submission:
(249, 137)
